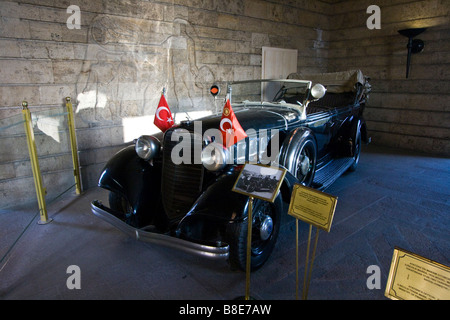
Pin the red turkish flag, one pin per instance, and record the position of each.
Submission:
(230, 127)
(163, 116)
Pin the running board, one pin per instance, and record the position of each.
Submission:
(329, 173)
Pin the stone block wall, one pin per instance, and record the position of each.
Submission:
(125, 52)
(410, 113)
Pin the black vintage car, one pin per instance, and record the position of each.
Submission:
(167, 189)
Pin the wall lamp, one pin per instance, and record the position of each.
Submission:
(414, 45)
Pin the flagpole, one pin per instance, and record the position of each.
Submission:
(164, 94)
(168, 121)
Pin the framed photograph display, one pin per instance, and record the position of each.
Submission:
(259, 181)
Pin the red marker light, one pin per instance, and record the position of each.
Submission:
(214, 90)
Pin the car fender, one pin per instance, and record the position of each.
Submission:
(133, 178)
(364, 133)
(290, 143)
(359, 124)
(219, 206)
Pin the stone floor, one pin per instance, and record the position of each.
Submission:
(395, 198)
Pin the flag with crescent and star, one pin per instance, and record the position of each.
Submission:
(230, 127)
(163, 116)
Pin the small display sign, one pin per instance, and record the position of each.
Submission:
(258, 181)
(312, 206)
(412, 277)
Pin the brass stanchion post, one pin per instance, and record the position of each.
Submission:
(308, 267)
(307, 262)
(38, 184)
(73, 145)
(312, 262)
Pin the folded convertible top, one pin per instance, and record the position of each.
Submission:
(335, 82)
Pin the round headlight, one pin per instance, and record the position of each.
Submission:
(214, 156)
(147, 147)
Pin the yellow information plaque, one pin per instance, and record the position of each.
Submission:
(312, 206)
(413, 277)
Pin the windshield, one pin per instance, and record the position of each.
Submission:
(268, 92)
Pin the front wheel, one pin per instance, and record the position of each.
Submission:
(265, 228)
(305, 160)
(122, 209)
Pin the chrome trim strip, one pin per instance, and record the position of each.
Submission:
(221, 251)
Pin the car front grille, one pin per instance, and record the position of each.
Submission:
(181, 183)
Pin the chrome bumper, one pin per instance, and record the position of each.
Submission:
(221, 251)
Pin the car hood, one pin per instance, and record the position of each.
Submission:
(256, 118)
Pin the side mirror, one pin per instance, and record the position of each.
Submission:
(318, 91)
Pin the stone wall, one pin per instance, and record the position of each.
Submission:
(412, 113)
(126, 51)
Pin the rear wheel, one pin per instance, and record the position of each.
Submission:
(265, 228)
(356, 150)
